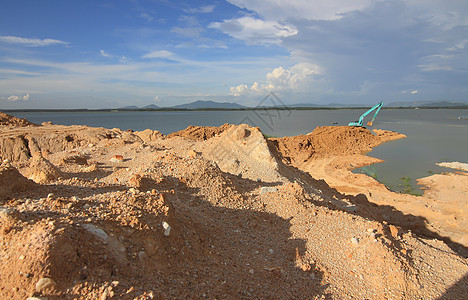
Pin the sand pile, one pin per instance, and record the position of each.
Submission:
(41, 170)
(199, 132)
(7, 120)
(331, 141)
(172, 219)
(12, 182)
(243, 151)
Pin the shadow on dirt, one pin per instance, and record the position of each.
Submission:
(212, 251)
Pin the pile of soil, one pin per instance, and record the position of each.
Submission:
(7, 120)
(145, 216)
(329, 141)
(11, 181)
(199, 132)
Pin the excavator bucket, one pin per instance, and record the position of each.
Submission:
(369, 123)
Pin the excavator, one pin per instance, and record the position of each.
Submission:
(361, 119)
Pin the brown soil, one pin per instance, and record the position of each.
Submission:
(199, 132)
(7, 120)
(246, 218)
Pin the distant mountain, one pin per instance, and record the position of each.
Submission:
(427, 104)
(330, 105)
(151, 106)
(209, 104)
(129, 107)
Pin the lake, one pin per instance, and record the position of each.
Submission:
(433, 135)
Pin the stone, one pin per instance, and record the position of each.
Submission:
(167, 228)
(355, 240)
(268, 189)
(395, 232)
(96, 231)
(193, 154)
(116, 158)
(45, 283)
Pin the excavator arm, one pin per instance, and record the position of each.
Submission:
(376, 107)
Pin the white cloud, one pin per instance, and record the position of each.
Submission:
(31, 42)
(435, 67)
(281, 79)
(103, 53)
(204, 9)
(14, 98)
(446, 14)
(414, 92)
(159, 54)
(253, 30)
(302, 9)
(156, 99)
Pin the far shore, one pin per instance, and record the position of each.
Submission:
(162, 109)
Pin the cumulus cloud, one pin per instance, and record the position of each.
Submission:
(382, 45)
(254, 30)
(31, 42)
(280, 79)
(14, 98)
(159, 54)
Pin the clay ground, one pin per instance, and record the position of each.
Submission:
(219, 213)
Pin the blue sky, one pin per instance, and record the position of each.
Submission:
(107, 54)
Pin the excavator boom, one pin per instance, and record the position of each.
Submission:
(376, 107)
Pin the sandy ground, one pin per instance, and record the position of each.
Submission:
(219, 213)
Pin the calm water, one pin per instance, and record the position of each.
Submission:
(433, 135)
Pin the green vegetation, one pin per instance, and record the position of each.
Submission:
(407, 187)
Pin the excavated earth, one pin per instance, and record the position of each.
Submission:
(219, 213)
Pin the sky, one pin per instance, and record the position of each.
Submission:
(109, 54)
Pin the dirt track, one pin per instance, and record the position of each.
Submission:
(248, 218)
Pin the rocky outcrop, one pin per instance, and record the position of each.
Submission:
(42, 171)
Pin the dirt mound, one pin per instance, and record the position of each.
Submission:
(18, 144)
(199, 132)
(331, 141)
(178, 218)
(41, 170)
(242, 150)
(7, 120)
(12, 182)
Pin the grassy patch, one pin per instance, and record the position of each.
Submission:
(407, 187)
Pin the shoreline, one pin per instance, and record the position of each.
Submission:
(163, 109)
(221, 212)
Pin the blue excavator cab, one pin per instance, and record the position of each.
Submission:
(376, 107)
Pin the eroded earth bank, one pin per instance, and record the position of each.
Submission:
(219, 213)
